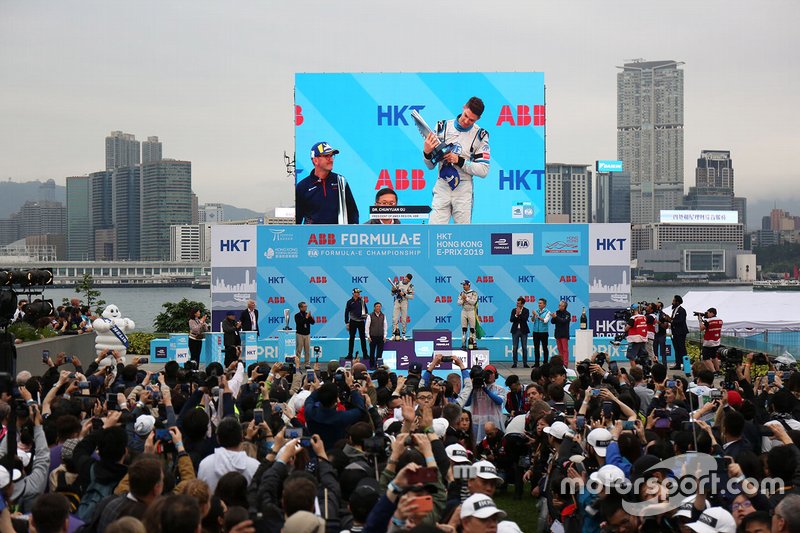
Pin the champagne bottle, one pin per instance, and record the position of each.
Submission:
(584, 320)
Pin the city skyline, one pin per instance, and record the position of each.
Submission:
(221, 92)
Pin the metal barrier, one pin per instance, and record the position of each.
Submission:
(772, 342)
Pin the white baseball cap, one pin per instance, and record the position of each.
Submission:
(440, 426)
(557, 430)
(686, 506)
(713, 520)
(599, 439)
(480, 506)
(486, 470)
(608, 476)
(6, 478)
(507, 526)
(457, 453)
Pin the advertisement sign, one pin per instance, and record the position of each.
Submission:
(367, 117)
(609, 166)
(699, 217)
(249, 346)
(179, 345)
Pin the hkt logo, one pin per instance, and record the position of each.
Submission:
(359, 280)
(298, 115)
(318, 279)
(484, 279)
(442, 319)
(276, 280)
(523, 117)
(517, 180)
(443, 300)
(318, 299)
(611, 244)
(401, 181)
(568, 279)
(485, 299)
(443, 279)
(526, 279)
(322, 238)
(394, 115)
(276, 300)
(568, 298)
(233, 245)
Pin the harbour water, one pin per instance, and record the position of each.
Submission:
(143, 304)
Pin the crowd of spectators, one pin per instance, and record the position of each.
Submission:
(113, 448)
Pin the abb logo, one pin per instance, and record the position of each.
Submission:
(523, 117)
(401, 181)
(318, 279)
(568, 279)
(529, 298)
(322, 238)
(487, 319)
(298, 115)
(276, 300)
(484, 279)
(443, 300)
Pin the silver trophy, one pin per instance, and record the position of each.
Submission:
(286, 313)
(442, 149)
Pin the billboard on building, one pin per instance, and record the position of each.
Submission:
(699, 217)
(367, 118)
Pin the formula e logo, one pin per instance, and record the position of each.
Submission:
(501, 243)
(281, 235)
(322, 238)
(233, 245)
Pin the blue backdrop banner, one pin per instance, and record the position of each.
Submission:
(367, 117)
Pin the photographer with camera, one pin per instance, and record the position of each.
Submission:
(460, 387)
(486, 400)
(322, 416)
(636, 335)
(711, 328)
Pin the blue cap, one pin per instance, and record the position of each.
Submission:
(322, 148)
(466, 282)
(634, 306)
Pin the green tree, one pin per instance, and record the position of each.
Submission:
(175, 316)
(89, 295)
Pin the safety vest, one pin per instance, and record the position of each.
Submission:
(713, 332)
(638, 332)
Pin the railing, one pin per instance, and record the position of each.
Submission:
(770, 342)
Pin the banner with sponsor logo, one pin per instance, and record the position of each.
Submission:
(322, 264)
(609, 276)
(367, 118)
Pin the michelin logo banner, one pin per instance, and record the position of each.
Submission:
(367, 117)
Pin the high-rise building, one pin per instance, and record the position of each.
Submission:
(166, 192)
(195, 209)
(713, 190)
(78, 219)
(9, 229)
(714, 169)
(126, 212)
(100, 211)
(151, 150)
(569, 192)
(42, 218)
(613, 197)
(212, 213)
(122, 150)
(47, 191)
(650, 135)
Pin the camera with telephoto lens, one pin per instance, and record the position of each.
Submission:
(376, 446)
(730, 358)
(600, 359)
(583, 367)
(478, 377)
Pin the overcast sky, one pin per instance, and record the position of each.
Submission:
(214, 80)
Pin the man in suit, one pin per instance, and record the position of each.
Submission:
(249, 317)
(520, 330)
(679, 331)
(231, 339)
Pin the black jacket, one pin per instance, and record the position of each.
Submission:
(562, 320)
(302, 323)
(520, 321)
(247, 325)
(317, 201)
(230, 333)
(679, 326)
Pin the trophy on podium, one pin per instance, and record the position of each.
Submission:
(286, 313)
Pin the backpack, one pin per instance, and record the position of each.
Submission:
(94, 494)
(72, 491)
